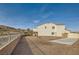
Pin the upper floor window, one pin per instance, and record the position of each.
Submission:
(53, 27)
(45, 27)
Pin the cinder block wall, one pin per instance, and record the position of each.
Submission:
(49, 37)
(7, 50)
(73, 35)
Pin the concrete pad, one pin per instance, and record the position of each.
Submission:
(68, 41)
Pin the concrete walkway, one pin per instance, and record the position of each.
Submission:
(67, 41)
(22, 48)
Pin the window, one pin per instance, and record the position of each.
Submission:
(52, 33)
(45, 27)
(53, 27)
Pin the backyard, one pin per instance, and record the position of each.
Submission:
(41, 45)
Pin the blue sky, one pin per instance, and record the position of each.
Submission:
(30, 15)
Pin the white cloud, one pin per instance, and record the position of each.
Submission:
(36, 21)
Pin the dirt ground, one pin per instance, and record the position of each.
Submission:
(22, 48)
(41, 46)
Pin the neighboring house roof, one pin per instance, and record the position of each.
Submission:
(67, 29)
(75, 32)
(59, 24)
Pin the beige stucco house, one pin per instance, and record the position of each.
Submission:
(51, 29)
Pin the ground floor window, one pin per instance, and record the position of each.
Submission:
(52, 33)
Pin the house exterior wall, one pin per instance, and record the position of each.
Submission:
(59, 30)
(73, 35)
(48, 31)
(42, 31)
